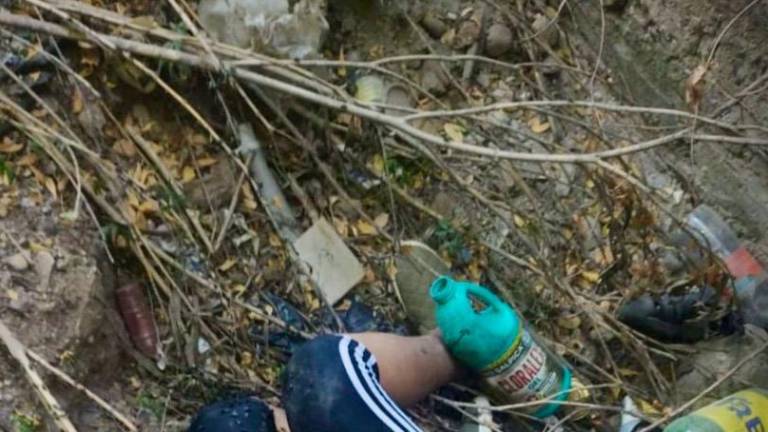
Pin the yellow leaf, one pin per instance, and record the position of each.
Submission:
(454, 132)
(569, 322)
(149, 206)
(133, 199)
(590, 276)
(519, 221)
(77, 102)
(364, 228)
(187, 174)
(12, 294)
(50, 184)
(628, 372)
(537, 126)
(37, 247)
(228, 264)
(206, 162)
(376, 165)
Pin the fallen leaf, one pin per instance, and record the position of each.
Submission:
(77, 102)
(124, 147)
(206, 162)
(628, 372)
(9, 146)
(571, 322)
(50, 184)
(590, 276)
(12, 294)
(365, 228)
(537, 126)
(149, 206)
(376, 165)
(187, 174)
(454, 132)
(228, 264)
(694, 87)
(381, 220)
(519, 221)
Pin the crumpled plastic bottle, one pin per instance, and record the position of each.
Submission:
(750, 278)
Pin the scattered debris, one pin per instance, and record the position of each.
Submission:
(332, 265)
(138, 318)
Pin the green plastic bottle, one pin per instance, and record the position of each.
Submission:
(744, 411)
(488, 336)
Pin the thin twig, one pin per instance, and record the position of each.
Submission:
(128, 424)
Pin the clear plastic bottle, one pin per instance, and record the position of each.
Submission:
(750, 278)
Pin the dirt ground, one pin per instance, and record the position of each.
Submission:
(590, 228)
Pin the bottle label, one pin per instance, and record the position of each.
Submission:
(525, 372)
(743, 411)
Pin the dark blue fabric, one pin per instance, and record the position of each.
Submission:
(319, 395)
(237, 414)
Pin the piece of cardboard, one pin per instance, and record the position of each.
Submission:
(333, 267)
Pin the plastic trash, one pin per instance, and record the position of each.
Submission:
(489, 337)
(267, 24)
(750, 278)
(745, 411)
(630, 417)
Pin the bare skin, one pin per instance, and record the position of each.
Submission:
(410, 367)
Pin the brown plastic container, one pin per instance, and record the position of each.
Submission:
(138, 318)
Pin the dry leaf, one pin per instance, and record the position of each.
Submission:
(364, 228)
(454, 132)
(537, 126)
(694, 87)
(187, 174)
(519, 221)
(376, 165)
(124, 147)
(228, 264)
(207, 161)
(149, 206)
(50, 184)
(571, 322)
(77, 102)
(381, 220)
(9, 146)
(590, 276)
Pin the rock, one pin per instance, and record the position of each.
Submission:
(468, 32)
(434, 25)
(545, 30)
(17, 262)
(714, 358)
(498, 40)
(433, 78)
(44, 263)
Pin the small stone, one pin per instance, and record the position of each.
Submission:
(433, 78)
(44, 264)
(434, 26)
(498, 40)
(468, 33)
(545, 30)
(17, 262)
